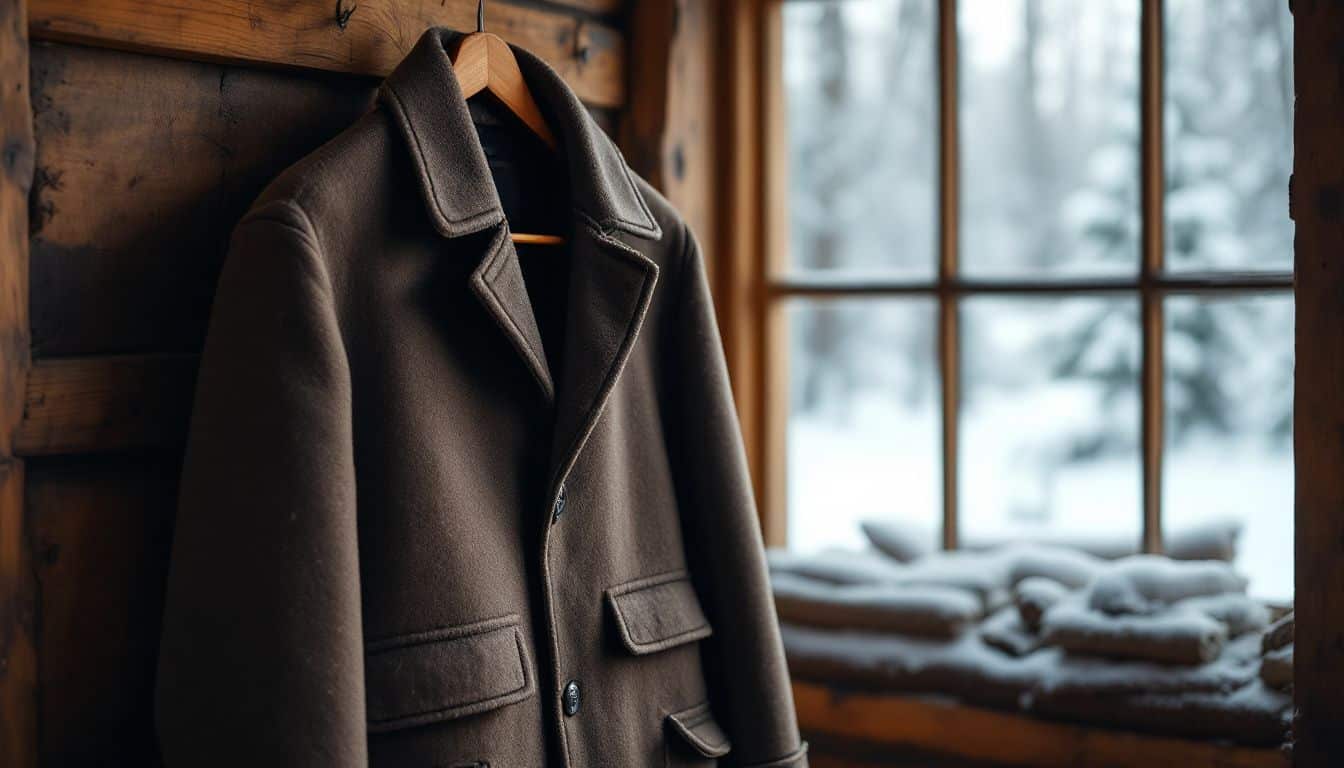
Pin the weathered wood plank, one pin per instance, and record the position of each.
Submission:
(144, 166)
(1318, 420)
(116, 403)
(101, 529)
(16, 176)
(939, 727)
(371, 40)
(18, 660)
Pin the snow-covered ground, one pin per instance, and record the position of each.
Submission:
(882, 461)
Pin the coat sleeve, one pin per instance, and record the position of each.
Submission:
(261, 661)
(749, 682)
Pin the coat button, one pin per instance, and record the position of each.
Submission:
(571, 698)
(559, 508)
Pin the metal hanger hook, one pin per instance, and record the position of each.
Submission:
(480, 15)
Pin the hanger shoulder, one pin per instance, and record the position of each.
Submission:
(471, 64)
(507, 84)
(483, 62)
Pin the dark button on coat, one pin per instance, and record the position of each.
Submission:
(367, 569)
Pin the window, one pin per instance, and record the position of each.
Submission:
(1038, 280)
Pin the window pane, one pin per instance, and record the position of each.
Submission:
(1050, 416)
(1049, 136)
(1229, 134)
(1229, 400)
(861, 89)
(863, 434)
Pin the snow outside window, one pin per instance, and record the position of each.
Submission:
(1050, 396)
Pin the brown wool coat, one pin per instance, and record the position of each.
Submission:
(431, 481)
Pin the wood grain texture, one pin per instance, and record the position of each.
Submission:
(144, 165)
(374, 37)
(102, 404)
(16, 176)
(739, 262)
(102, 530)
(1318, 422)
(668, 131)
(981, 736)
(18, 612)
(484, 62)
(18, 661)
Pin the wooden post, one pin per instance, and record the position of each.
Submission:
(667, 129)
(18, 656)
(1317, 207)
(700, 127)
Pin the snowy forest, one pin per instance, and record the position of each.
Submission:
(1049, 186)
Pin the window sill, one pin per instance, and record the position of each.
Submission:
(899, 726)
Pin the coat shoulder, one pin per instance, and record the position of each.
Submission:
(340, 189)
(326, 180)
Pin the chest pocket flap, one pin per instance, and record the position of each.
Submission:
(659, 612)
(446, 673)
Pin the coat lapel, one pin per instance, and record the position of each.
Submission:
(610, 283)
(610, 287)
(498, 284)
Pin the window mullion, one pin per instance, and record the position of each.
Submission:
(1151, 267)
(949, 357)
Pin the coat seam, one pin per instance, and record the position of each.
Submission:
(646, 582)
(439, 634)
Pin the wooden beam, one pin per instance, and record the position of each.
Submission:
(947, 729)
(645, 124)
(772, 347)
(667, 129)
(739, 264)
(17, 153)
(1317, 207)
(102, 404)
(369, 37)
(18, 655)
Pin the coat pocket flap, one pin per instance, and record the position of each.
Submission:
(446, 673)
(696, 726)
(658, 612)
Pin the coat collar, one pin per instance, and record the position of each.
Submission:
(425, 101)
(610, 283)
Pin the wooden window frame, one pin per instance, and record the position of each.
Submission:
(1151, 283)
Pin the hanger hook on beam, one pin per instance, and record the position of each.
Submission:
(480, 15)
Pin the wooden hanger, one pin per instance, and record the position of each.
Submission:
(483, 62)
